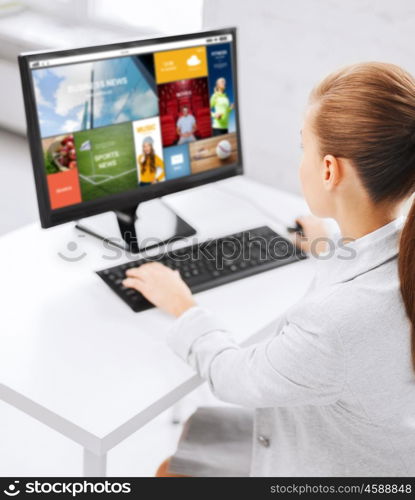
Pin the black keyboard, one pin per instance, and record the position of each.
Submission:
(211, 263)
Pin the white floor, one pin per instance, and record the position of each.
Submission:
(28, 448)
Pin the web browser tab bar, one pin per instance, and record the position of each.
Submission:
(143, 49)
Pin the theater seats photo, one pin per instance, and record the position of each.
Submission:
(173, 96)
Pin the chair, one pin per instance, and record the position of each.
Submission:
(168, 130)
(203, 123)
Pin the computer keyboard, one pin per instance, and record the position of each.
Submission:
(211, 263)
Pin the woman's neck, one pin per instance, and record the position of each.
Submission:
(356, 222)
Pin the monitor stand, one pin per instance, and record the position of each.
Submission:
(137, 228)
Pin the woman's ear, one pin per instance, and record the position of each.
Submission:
(332, 172)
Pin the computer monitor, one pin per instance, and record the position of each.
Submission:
(115, 125)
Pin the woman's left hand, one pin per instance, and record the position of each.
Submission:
(162, 286)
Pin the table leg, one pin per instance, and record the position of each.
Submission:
(176, 412)
(94, 465)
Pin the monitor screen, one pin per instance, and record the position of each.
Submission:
(125, 119)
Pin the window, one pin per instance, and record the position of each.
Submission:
(159, 16)
(73, 9)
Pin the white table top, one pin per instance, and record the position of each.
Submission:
(70, 345)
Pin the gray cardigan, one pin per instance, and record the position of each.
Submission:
(332, 385)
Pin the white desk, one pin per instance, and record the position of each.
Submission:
(75, 357)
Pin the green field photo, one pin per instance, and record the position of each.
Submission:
(106, 161)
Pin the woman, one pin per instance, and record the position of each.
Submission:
(333, 387)
(149, 163)
(221, 108)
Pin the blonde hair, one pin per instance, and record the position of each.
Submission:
(216, 85)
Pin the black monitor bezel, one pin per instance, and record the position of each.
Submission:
(49, 217)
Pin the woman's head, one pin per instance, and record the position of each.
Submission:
(359, 130)
(359, 147)
(147, 147)
(220, 85)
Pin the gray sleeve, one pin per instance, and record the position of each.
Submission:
(302, 364)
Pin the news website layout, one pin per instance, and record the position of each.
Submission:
(120, 123)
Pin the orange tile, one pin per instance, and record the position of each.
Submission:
(64, 189)
(180, 64)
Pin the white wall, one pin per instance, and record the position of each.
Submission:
(285, 47)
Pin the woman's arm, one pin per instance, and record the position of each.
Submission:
(302, 364)
(212, 106)
(159, 164)
(294, 367)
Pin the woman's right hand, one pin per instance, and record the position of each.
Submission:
(314, 237)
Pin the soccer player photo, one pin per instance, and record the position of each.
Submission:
(221, 89)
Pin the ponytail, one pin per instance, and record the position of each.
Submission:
(407, 272)
(366, 113)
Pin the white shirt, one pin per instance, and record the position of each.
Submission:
(332, 384)
(186, 124)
